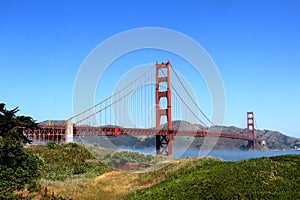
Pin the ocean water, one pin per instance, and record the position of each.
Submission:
(187, 152)
(237, 155)
(224, 154)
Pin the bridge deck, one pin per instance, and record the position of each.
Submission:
(57, 132)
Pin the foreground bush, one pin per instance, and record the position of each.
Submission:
(17, 167)
(66, 161)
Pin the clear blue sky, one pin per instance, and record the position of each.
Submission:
(255, 44)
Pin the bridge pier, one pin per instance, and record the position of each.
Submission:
(251, 145)
(69, 131)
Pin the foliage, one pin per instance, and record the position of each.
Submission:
(17, 167)
(9, 121)
(117, 159)
(52, 145)
(264, 178)
(66, 161)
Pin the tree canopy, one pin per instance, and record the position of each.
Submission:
(17, 167)
(9, 121)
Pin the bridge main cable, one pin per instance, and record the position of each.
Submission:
(101, 102)
(184, 101)
(119, 99)
(191, 97)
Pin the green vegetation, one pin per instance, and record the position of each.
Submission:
(206, 178)
(82, 172)
(66, 161)
(10, 123)
(17, 167)
(118, 159)
(72, 172)
(264, 178)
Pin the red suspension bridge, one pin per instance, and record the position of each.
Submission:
(131, 110)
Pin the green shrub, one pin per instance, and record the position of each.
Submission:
(65, 161)
(117, 159)
(52, 145)
(17, 167)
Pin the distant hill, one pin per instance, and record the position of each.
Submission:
(277, 140)
(52, 123)
(273, 139)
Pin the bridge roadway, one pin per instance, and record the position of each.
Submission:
(113, 131)
(55, 133)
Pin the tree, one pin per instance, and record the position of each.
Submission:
(17, 167)
(9, 121)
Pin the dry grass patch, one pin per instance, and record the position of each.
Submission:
(110, 185)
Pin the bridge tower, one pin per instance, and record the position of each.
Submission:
(163, 142)
(250, 130)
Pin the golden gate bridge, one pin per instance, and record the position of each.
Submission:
(110, 116)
